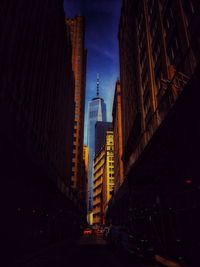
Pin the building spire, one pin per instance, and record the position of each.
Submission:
(97, 84)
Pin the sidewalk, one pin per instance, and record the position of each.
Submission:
(28, 257)
(167, 262)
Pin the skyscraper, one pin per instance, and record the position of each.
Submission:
(101, 127)
(103, 179)
(96, 112)
(108, 173)
(77, 34)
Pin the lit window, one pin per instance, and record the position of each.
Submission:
(168, 25)
(192, 7)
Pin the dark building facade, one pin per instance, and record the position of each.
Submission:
(101, 127)
(35, 89)
(156, 61)
(77, 33)
(36, 124)
(159, 75)
(118, 139)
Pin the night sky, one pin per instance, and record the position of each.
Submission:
(102, 19)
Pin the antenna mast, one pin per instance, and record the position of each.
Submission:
(97, 84)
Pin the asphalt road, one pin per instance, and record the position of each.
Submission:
(90, 251)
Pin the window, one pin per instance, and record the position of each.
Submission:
(171, 54)
(167, 23)
(143, 57)
(154, 28)
(176, 43)
(146, 100)
(192, 7)
(158, 83)
(156, 51)
(158, 77)
(145, 78)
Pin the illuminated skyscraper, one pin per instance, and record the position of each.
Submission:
(96, 112)
(103, 179)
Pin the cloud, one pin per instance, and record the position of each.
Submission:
(103, 51)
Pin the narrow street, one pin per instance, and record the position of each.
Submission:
(89, 251)
(99, 133)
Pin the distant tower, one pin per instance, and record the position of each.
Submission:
(101, 127)
(96, 112)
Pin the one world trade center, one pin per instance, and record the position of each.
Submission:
(96, 112)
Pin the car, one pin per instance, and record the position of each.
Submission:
(146, 249)
(87, 231)
(138, 246)
(106, 231)
(98, 231)
(113, 236)
(124, 242)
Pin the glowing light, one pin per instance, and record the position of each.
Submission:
(188, 181)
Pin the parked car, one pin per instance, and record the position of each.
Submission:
(112, 236)
(124, 242)
(99, 232)
(87, 231)
(146, 249)
(106, 231)
(138, 246)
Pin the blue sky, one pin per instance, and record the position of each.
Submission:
(102, 19)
